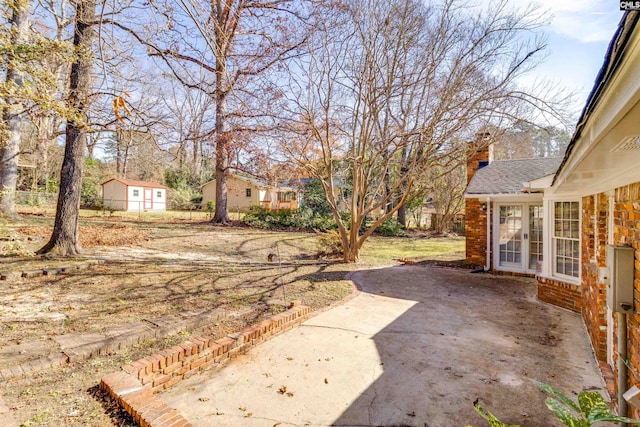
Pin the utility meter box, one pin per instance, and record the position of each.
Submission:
(620, 262)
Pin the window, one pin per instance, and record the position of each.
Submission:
(159, 194)
(247, 192)
(136, 193)
(286, 196)
(566, 238)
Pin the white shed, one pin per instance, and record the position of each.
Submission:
(129, 195)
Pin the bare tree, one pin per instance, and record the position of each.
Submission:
(231, 43)
(64, 239)
(13, 111)
(447, 197)
(390, 91)
(526, 140)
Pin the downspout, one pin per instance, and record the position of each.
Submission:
(488, 262)
(621, 364)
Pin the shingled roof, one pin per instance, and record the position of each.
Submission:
(508, 176)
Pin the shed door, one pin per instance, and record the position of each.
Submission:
(148, 198)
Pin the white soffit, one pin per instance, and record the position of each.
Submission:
(631, 143)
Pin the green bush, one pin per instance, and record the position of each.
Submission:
(390, 227)
(285, 218)
(94, 175)
(315, 199)
(324, 223)
(181, 198)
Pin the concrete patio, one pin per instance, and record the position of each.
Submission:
(416, 347)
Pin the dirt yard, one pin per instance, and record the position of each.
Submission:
(151, 269)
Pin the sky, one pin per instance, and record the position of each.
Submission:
(578, 38)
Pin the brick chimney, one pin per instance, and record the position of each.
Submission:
(480, 154)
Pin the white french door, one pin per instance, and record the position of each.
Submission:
(518, 237)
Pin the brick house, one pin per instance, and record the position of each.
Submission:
(589, 204)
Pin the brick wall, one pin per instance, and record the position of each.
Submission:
(627, 232)
(475, 228)
(479, 153)
(475, 219)
(559, 293)
(594, 297)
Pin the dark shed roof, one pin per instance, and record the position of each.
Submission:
(507, 176)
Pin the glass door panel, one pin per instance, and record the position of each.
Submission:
(510, 229)
(535, 236)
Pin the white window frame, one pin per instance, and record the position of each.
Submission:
(553, 248)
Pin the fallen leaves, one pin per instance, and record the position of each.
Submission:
(283, 390)
(96, 235)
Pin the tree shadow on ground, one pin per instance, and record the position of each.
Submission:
(446, 337)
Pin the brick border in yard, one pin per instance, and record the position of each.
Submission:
(49, 271)
(136, 385)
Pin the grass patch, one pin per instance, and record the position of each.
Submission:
(384, 250)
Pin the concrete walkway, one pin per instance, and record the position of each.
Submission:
(415, 348)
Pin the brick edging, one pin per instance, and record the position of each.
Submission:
(50, 271)
(136, 385)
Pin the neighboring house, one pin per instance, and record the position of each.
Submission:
(578, 214)
(244, 192)
(129, 195)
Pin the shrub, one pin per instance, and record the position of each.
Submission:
(285, 218)
(181, 198)
(390, 227)
(324, 223)
(315, 199)
(90, 197)
(329, 244)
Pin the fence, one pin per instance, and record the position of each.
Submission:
(36, 198)
(186, 210)
(154, 208)
(457, 224)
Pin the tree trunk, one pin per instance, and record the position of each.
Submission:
(12, 117)
(222, 136)
(404, 171)
(64, 239)
(387, 187)
(351, 252)
(222, 165)
(402, 215)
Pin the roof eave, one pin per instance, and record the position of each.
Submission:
(612, 60)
